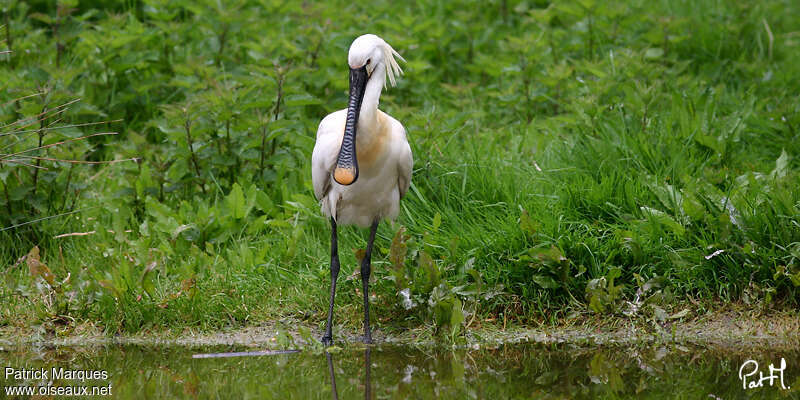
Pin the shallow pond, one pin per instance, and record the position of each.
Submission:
(394, 372)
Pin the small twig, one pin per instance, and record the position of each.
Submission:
(281, 79)
(315, 53)
(57, 144)
(53, 122)
(55, 110)
(222, 38)
(20, 134)
(63, 235)
(769, 35)
(25, 164)
(245, 354)
(45, 218)
(41, 140)
(188, 128)
(78, 161)
(263, 143)
(22, 98)
(99, 173)
(60, 127)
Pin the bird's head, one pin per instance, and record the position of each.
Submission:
(369, 58)
(372, 53)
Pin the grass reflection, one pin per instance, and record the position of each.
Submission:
(394, 372)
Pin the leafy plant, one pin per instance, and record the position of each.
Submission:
(553, 144)
(603, 294)
(427, 284)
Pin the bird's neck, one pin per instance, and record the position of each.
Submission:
(367, 118)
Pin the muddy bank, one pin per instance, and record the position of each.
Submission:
(730, 330)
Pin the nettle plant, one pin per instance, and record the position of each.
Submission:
(424, 285)
(230, 129)
(42, 146)
(45, 157)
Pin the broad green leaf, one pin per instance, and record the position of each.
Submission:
(236, 202)
(653, 53)
(781, 166)
(545, 282)
(527, 224)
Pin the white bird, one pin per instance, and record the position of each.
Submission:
(361, 164)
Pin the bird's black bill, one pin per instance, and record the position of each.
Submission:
(346, 171)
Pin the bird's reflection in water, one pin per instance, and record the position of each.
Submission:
(367, 383)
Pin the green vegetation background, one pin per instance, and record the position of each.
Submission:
(572, 157)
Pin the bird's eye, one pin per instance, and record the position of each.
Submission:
(369, 60)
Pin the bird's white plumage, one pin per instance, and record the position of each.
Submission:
(383, 153)
(380, 185)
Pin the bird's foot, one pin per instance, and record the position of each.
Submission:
(327, 341)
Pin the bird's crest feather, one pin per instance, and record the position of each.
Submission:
(392, 68)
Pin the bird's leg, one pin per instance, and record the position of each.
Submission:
(334, 392)
(367, 382)
(365, 271)
(327, 340)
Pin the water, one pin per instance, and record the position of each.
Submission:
(394, 372)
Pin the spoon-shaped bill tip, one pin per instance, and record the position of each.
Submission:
(345, 176)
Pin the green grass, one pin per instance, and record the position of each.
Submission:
(567, 155)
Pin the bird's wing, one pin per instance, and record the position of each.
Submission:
(323, 158)
(405, 164)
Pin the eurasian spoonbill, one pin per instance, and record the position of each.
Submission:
(361, 164)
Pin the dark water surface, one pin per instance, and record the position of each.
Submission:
(394, 372)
